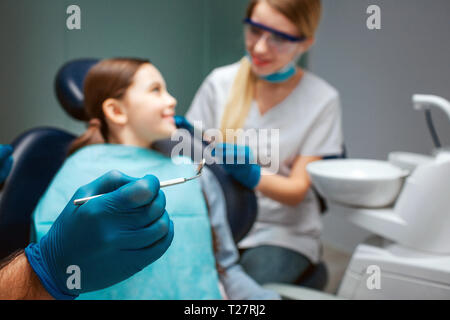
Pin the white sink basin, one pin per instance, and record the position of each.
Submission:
(357, 182)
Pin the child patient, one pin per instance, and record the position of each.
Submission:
(129, 108)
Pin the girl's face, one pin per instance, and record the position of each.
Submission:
(149, 107)
(270, 53)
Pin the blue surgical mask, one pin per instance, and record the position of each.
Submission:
(281, 75)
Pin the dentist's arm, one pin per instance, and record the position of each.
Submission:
(18, 281)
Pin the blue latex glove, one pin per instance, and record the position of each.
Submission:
(239, 163)
(6, 161)
(182, 123)
(110, 238)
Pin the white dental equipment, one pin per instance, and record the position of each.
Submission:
(412, 251)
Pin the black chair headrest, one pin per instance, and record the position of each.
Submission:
(69, 86)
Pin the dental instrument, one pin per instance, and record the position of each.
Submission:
(163, 184)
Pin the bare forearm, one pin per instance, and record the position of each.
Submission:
(19, 282)
(285, 190)
(288, 190)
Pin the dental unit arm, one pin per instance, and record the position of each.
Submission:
(424, 102)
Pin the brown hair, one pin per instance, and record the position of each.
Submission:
(303, 13)
(109, 78)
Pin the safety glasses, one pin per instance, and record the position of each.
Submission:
(277, 40)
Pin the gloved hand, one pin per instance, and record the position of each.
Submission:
(239, 163)
(110, 238)
(182, 123)
(6, 161)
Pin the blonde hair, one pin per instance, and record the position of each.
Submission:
(303, 13)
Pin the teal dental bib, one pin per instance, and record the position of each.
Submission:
(187, 270)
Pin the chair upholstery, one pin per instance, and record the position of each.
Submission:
(38, 154)
(69, 86)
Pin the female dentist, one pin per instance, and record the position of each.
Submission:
(266, 90)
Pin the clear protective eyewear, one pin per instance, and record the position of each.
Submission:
(277, 40)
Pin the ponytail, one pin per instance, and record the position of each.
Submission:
(241, 96)
(93, 135)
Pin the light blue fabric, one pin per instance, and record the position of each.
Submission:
(187, 270)
(282, 75)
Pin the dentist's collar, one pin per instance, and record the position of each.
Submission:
(281, 75)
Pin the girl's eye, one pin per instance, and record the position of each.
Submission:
(255, 31)
(156, 89)
(278, 39)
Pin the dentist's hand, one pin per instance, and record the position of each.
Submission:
(6, 161)
(109, 238)
(182, 123)
(239, 163)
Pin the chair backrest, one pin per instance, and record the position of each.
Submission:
(38, 154)
(69, 86)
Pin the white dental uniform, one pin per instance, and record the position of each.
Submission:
(309, 123)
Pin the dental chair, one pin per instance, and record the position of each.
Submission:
(40, 152)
